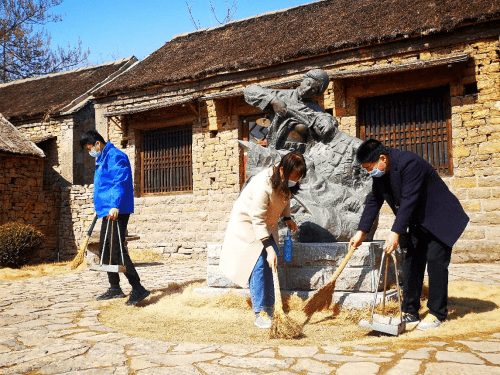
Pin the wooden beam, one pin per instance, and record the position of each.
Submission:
(118, 123)
(192, 109)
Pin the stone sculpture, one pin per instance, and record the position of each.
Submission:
(331, 200)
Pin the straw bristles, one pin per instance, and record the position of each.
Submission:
(284, 327)
(79, 258)
(320, 300)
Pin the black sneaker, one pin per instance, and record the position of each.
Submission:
(137, 297)
(410, 320)
(110, 294)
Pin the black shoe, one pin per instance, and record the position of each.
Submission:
(410, 320)
(110, 294)
(137, 297)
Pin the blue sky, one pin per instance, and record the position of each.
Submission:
(114, 29)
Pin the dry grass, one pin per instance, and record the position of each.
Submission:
(147, 256)
(175, 313)
(39, 270)
(59, 268)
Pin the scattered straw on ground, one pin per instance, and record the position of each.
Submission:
(176, 313)
(39, 270)
(59, 268)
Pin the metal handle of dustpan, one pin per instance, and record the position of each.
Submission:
(111, 244)
(385, 284)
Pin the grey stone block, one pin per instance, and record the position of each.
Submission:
(215, 278)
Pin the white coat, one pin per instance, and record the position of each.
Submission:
(255, 215)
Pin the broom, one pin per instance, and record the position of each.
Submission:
(81, 253)
(282, 326)
(323, 296)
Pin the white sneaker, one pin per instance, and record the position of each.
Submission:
(430, 321)
(262, 320)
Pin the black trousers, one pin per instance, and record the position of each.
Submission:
(425, 249)
(116, 258)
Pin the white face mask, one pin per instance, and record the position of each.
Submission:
(291, 183)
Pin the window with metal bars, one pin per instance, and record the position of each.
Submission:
(166, 160)
(417, 121)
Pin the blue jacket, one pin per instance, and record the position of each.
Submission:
(113, 186)
(417, 195)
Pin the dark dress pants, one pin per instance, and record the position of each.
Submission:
(116, 258)
(425, 249)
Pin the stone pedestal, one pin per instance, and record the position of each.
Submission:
(313, 264)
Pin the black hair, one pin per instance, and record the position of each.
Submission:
(90, 138)
(293, 161)
(370, 150)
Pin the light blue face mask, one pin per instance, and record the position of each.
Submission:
(291, 183)
(377, 172)
(94, 153)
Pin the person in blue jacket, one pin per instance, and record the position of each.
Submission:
(427, 214)
(114, 200)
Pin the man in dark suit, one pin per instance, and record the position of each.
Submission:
(428, 215)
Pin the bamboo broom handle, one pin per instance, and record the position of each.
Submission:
(343, 264)
(278, 304)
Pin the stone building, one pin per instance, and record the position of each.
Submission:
(418, 75)
(23, 198)
(53, 111)
(423, 76)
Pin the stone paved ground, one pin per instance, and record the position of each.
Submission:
(48, 327)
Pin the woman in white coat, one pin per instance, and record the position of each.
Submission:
(249, 250)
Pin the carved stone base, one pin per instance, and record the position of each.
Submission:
(313, 264)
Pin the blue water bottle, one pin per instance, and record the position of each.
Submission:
(287, 248)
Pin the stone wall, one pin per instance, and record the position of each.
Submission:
(181, 225)
(65, 162)
(475, 134)
(76, 215)
(24, 199)
(185, 223)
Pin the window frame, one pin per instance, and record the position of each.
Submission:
(178, 167)
(425, 125)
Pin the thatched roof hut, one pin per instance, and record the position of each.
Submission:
(12, 141)
(56, 94)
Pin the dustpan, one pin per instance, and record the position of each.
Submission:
(382, 323)
(116, 268)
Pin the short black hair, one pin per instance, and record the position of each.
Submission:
(90, 138)
(370, 150)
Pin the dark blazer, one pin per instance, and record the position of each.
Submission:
(417, 195)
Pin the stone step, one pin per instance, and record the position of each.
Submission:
(313, 265)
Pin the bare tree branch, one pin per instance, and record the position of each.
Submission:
(230, 11)
(229, 15)
(25, 51)
(196, 25)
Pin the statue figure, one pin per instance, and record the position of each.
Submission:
(331, 200)
(293, 112)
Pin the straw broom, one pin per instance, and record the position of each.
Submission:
(323, 296)
(81, 253)
(282, 326)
